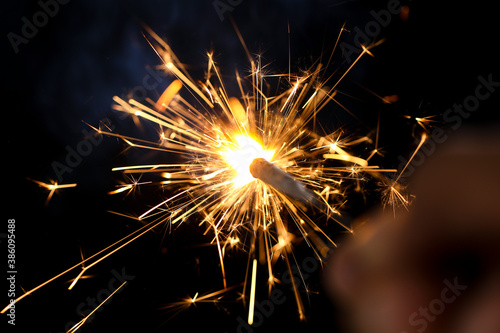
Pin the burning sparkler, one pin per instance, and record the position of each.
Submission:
(249, 161)
(253, 167)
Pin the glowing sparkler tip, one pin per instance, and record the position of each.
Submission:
(240, 156)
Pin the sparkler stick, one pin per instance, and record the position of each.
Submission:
(281, 181)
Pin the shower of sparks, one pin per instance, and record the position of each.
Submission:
(217, 133)
(220, 135)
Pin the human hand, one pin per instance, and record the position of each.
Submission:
(435, 268)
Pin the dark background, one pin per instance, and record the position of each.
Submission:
(90, 51)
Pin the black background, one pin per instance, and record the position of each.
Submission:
(90, 51)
